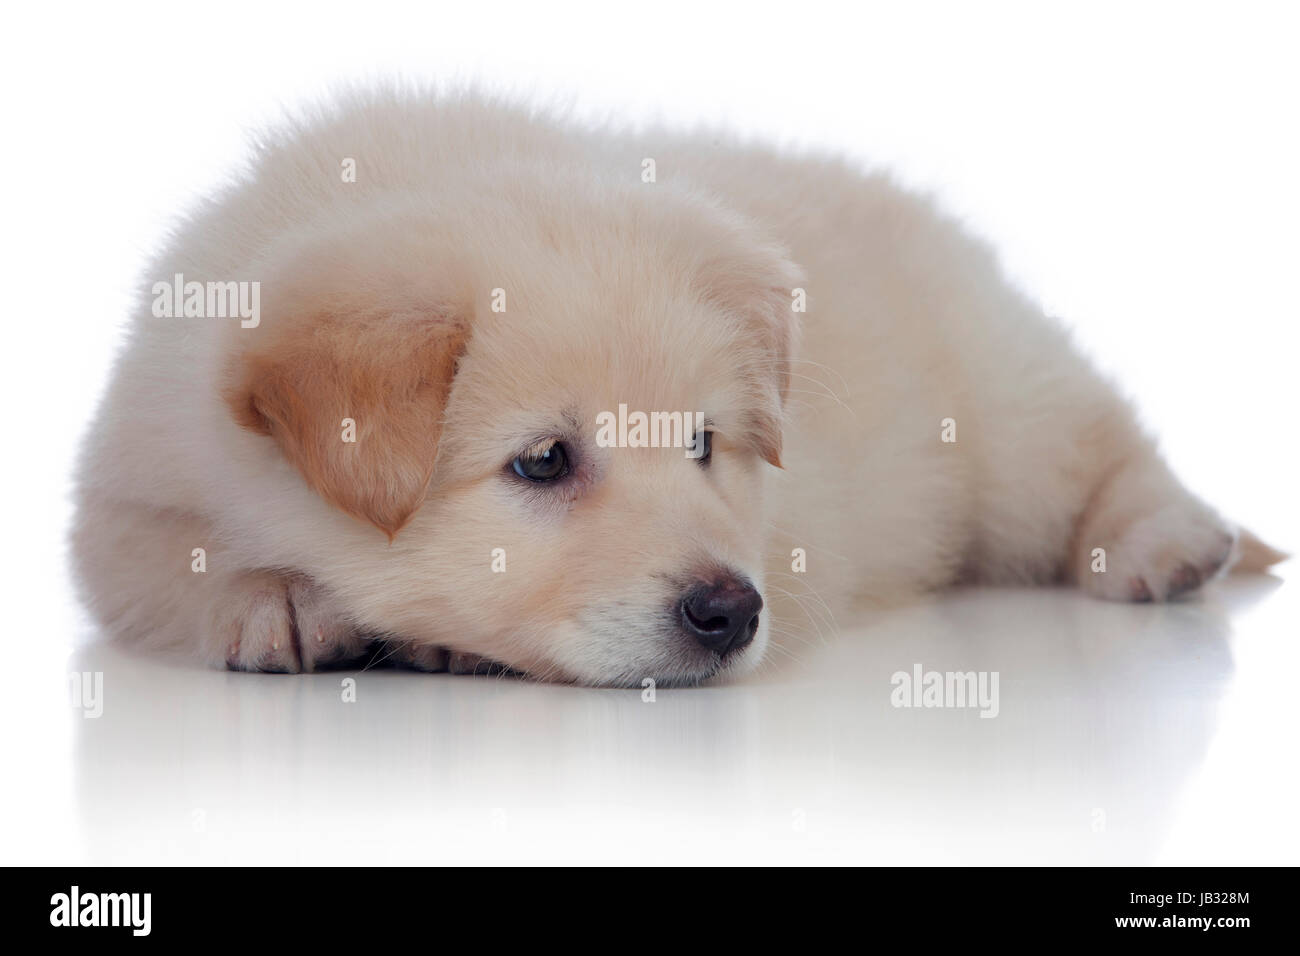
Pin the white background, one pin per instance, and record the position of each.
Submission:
(1136, 164)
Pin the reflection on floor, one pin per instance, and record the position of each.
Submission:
(1122, 734)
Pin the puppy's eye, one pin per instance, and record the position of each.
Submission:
(542, 462)
(704, 447)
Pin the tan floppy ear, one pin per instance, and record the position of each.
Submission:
(388, 374)
(756, 284)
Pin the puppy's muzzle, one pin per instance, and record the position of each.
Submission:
(722, 615)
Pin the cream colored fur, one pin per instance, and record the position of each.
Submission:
(675, 295)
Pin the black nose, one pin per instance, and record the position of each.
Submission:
(723, 616)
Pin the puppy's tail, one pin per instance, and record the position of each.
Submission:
(1254, 555)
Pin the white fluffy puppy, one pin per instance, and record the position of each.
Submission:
(365, 391)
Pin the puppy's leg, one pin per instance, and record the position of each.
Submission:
(280, 623)
(1143, 537)
(423, 657)
(147, 574)
(165, 579)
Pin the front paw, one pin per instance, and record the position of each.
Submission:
(431, 659)
(278, 623)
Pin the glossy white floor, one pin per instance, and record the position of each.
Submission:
(1122, 735)
(1136, 179)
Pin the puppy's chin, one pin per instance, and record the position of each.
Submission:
(641, 657)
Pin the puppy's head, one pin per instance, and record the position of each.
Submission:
(506, 499)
